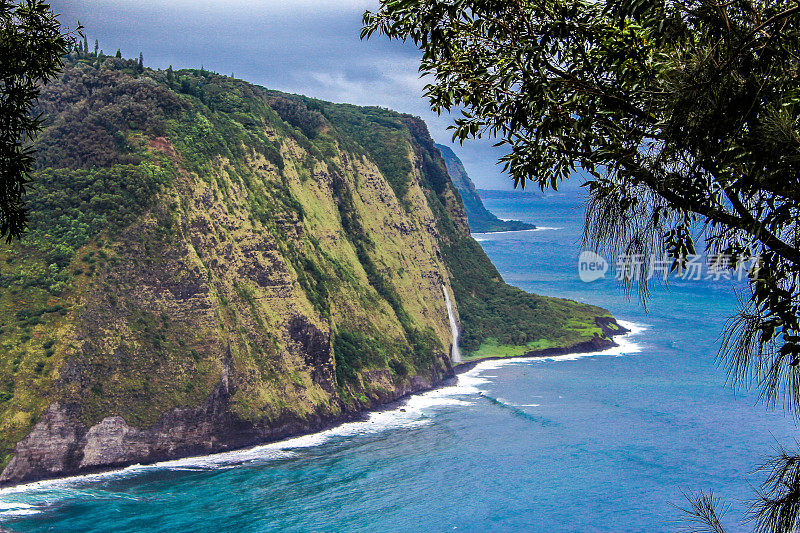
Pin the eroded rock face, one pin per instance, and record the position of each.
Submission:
(60, 444)
(109, 443)
(315, 347)
(51, 449)
(207, 319)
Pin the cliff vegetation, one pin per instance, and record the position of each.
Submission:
(211, 264)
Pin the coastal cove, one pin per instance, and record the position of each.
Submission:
(607, 345)
(462, 381)
(253, 265)
(606, 443)
(400, 266)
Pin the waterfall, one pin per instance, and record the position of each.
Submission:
(455, 353)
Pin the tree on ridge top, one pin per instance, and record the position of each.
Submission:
(33, 45)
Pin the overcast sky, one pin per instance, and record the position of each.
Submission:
(309, 47)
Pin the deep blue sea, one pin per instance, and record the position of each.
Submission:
(606, 442)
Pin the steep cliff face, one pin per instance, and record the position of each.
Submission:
(481, 220)
(212, 265)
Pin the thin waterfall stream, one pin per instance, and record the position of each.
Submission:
(455, 353)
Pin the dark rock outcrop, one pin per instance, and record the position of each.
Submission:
(61, 444)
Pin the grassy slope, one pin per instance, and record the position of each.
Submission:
(496, 318)
(163, 202)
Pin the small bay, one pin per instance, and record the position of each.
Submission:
(602, 442)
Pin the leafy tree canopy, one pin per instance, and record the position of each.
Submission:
(683, 113)
(32, 45)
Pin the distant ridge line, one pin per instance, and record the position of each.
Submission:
(481, 220)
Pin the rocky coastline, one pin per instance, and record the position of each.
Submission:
(61, 446)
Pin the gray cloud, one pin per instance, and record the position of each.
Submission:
(309, 47)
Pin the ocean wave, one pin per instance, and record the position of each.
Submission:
(477, 375)
(511, 404)
(15, 509)
(414, 412)
(625, 346)
(479, 236)
(484, 237)
(517, 411)
(30, 498)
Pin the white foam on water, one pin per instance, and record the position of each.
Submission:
(625, 346)
(18, 512)
(506, 402)
(470, 381)
(415, 412)
(12, 509)
(533, 230)
(72, 484)
(220, 460)
(412, 413)
(14, 506)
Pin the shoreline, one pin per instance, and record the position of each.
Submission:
(596, 346)
(484, 233)
(585, 347)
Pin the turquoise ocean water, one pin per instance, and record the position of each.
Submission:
(606, 442)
